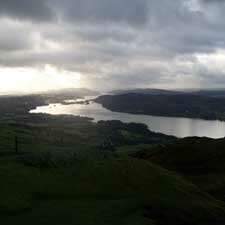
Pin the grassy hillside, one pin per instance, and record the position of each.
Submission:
(109, 191)
(68, 170)
(200, 160)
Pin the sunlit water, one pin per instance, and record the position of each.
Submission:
(180, 127)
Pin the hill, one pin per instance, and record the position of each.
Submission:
(62, 175)
(212, 93)
(200, 160)
(152, 91)
(156, 91)
(185, 105)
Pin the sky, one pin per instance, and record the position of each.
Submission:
(111, 44)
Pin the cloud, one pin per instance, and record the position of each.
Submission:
(116, 43)
(213, 1)
(14, 37)
(133, 12)
(26, 10)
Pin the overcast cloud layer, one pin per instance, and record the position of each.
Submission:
(109, 44)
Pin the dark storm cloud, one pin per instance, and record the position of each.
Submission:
(129, 42)
(213, 1)
(37, 10)
(132, 12)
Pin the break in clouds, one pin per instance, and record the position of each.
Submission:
(107, 44)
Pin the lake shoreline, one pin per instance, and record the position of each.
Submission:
(183, 106)
(176, 126)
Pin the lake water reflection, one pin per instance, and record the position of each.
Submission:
(180, 127)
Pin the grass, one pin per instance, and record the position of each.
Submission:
(117, 190)
(62, 176)
(199, 160)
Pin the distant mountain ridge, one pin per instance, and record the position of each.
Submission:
(77, 91)
(211, 93)
(156, 91)
(152, 91)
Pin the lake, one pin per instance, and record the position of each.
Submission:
(180, 127)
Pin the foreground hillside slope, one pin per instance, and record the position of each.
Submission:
(200, 160)
(58, 177)
(109, 191)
